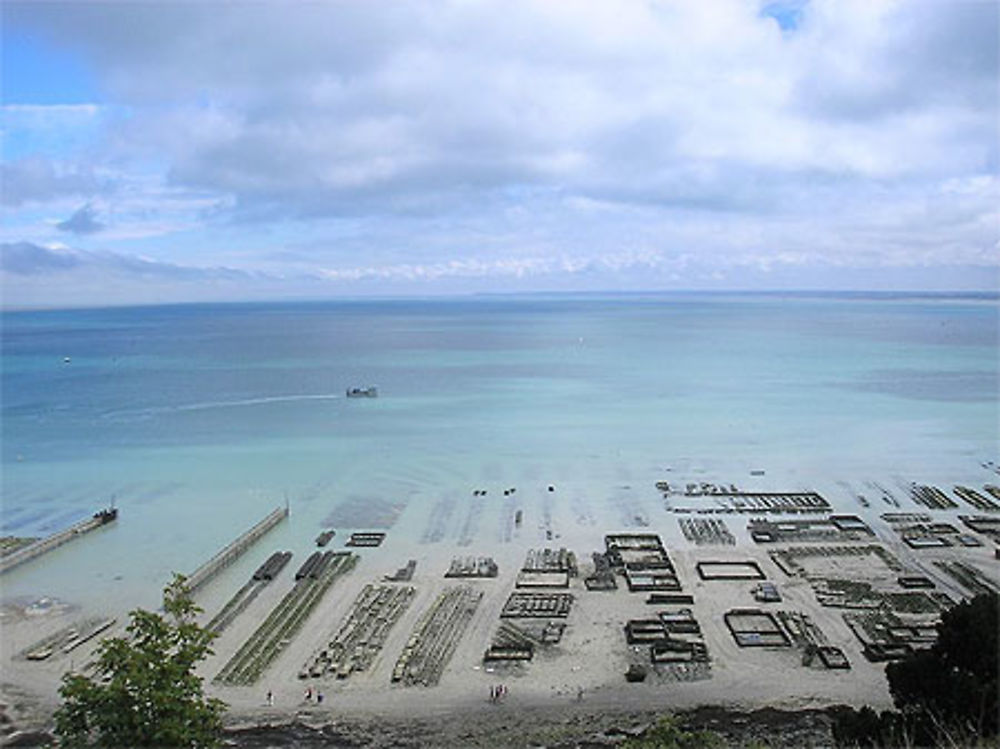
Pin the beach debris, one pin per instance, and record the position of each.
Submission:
(436, 636)
(931, 496)
(810, 639)
(675, 643)
(636, 672)
(604, 574)
(472, 567)
(884, 494)
(706, 531)
(752, 628)
(977, 500)
(670, 599)
(968, 576)
(67, 639)
(794, 560)
(730, 499)
(285, 620)
(366, 538)
(918, 532)
(674, 651)
(550, 560)
(859, 594)
(245, 595)
(545, 579)
(766, 592)
(894, 518)
(637, 551)
(644, 631)
(835, 528)
(324, 538)
(518, 642)
(403, 574)
(859, 577)
(988, 526)
(681, 622)
(643, 560)
(729, 570)
(524, 605)
(362, 633)
(915, 581)
(884, 636)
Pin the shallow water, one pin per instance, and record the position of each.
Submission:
(198, 419)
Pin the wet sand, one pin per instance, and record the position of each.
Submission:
(582, 674)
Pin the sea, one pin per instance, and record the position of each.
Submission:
(197, 420)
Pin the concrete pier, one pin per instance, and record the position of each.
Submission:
(233, 551)
(56, 540)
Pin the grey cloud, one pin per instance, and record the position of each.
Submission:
(83, 221)
(37, 179)
(472, 130)
(336, 102)
(29, 259)
(928, 55)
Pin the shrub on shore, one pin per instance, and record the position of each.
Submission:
(144, 691)
(669, 734)
(944, 696)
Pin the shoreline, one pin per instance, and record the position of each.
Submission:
(592, 654)
(588, 724)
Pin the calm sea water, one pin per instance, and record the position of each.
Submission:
(198, 419)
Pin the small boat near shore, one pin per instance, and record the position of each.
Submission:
(324, 538)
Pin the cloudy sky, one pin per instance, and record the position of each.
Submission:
(199, 150)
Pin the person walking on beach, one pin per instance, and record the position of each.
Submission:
(319, 697)
(309, 694)
(270, 698)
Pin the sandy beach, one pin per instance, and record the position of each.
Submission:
(584, 671)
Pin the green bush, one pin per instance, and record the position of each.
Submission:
(144, 691)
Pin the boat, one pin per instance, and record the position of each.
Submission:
(324, 538)
(368, 392)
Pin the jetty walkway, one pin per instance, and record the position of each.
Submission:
(47, 544)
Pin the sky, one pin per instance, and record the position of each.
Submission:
(195, 150)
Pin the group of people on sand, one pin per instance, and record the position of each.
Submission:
(310, 694)
(498, 692)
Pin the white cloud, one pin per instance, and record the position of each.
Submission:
(564, 132)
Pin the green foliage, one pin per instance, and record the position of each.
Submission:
(955, 682)
(144, 691)
(867, 728)
(946, 695)
(668, 734)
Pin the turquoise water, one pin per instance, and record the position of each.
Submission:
(198, 419)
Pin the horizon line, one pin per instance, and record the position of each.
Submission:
(984, 295)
